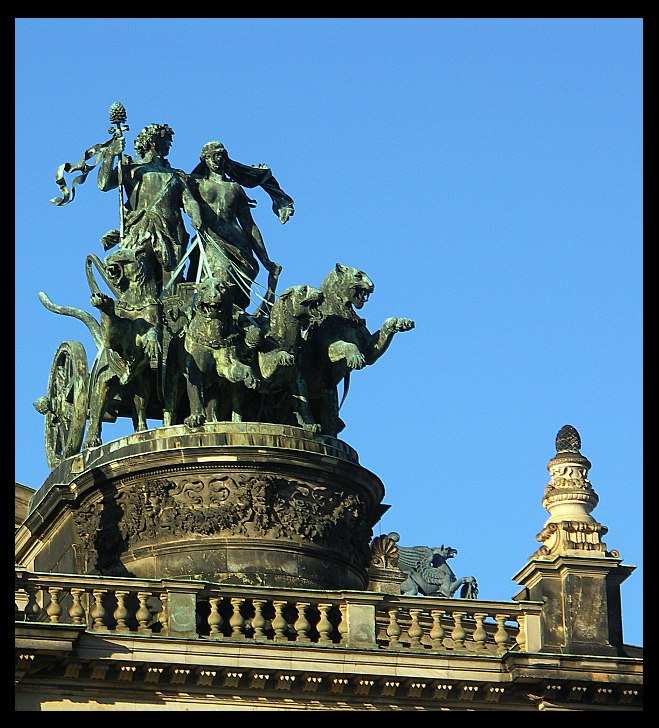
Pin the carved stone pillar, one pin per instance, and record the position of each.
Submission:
(572, 572)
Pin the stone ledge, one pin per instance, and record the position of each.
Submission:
(226, 436)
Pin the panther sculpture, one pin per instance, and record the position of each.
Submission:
(128, 339)
(284, 400)
(216, 344)
(342, 342)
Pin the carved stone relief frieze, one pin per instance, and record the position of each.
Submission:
(157, 510)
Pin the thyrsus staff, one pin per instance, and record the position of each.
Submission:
(118, 117)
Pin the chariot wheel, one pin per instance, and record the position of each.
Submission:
(66, 403)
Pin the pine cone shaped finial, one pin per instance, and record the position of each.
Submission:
(568, 440)
(117, 113)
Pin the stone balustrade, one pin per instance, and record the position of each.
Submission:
(457, 625)
(208, 611)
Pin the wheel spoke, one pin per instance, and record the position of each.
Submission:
(67, 387)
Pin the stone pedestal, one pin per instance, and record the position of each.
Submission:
(582, 613)
(573, 573)
(245, 503)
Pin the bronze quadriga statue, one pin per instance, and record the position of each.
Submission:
(180, 346)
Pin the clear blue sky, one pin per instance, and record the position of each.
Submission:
(485, 172)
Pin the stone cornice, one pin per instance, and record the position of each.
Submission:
(122, 667)
(204, 443)
(585, 565)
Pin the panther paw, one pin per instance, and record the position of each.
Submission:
(312, 427)
(194, 421)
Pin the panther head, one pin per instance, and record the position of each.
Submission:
(213, 298)
(295, 311)
(298, 303)
(125, 266)
(348, 286)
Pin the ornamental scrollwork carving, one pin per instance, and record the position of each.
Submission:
(269, 506)
(100, 539)
(568, 478)
(86, 523)
(573, 536)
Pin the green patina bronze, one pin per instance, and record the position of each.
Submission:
(180, 346)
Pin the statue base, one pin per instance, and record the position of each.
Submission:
(241, 503)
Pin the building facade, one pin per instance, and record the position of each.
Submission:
(127, 599)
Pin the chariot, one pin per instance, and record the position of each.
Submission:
(72, 381)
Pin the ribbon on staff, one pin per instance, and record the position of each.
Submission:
(67, 168)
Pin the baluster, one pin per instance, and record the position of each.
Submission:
(458, 634)
(237, 621)
(143, 613)
(32, 608)
(54, 610)
(521, 632)
(215, 620)
(259, 622)
(121, 613)
(324, 626)
(279, 624)
(437, 631)
(20, 596)
(77, 612)
(480, 635)
(98, 612)
(163, 616)
(343, 624)
(393, 628)
(415, 632)
(501, 635)
(302, 625)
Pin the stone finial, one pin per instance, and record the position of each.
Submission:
(568, 440)
(569, 498)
